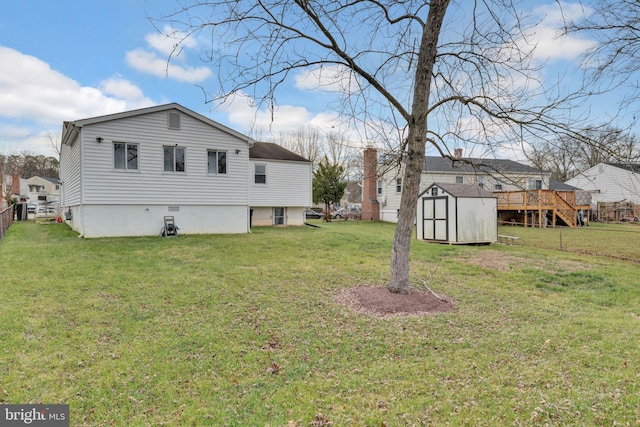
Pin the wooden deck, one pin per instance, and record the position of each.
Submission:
(540, 208)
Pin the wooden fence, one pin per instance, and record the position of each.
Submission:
(6, 219)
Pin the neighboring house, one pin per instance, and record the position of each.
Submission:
(352, 195)
(43, 189)
(9, 189)
(279, 185)
(614, 189)
(121, 174)
(494, 175)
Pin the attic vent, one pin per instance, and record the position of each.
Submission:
(174, 120)
(174, 208)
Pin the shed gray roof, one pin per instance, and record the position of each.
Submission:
(271, 151)
(473, 165)
(462, 190)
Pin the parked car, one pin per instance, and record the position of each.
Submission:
(32, 207)
(344, 213)
(309, 213)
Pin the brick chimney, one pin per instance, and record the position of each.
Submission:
(15, 184)
(370, 206)
(457, 153)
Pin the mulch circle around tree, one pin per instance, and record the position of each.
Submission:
(378, 301)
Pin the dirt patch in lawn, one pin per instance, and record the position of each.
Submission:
(377, 301)
(500, 261)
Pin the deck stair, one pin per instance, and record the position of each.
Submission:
(561, 205)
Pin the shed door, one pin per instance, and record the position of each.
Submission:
(435, 218)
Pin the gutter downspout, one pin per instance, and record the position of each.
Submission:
(251, 143)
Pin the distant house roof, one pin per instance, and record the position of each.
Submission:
(462, 190)
(561, 186)
(471, 165)
(271, 151)
(46, 178)
(631, 167)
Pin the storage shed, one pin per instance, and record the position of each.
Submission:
(457, 214)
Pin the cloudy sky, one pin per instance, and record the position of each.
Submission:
(73, 59)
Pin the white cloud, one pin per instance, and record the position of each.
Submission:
(330, 78)
(170, 41)
(35, 98)
(122, 88)
(30, 90)
(547, 36)
(244, 115)
(166, 57)
(150, 63)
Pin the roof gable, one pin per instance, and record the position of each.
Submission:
(271, 151)
(69, 128)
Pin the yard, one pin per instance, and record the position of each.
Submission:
(247, 330)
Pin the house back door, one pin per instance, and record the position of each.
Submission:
(279, 216)
(434, 218)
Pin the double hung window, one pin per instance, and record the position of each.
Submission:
(260, 175)
(216, 162)
(174, 159)
(125, 156)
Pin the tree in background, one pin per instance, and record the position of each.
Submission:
(27, 165)
(615, 60)
(328, 185)
(569, 155)
(395, 65)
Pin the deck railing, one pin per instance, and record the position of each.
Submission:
(561, 203)
(6, 219)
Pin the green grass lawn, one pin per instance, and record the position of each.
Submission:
(244, 330)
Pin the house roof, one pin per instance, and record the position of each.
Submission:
(271, 151)
(475, 165)
(70, 129)
(631, 167)
(462, 190)
(561, 186)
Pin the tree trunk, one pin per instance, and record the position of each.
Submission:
(416, 141)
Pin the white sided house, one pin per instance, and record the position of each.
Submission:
(610, 182)
(493, 175)
(121, 174)
(279, 186)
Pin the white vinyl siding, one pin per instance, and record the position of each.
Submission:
(152, 185)
(288, 184)
(70, 175)
(608, 183)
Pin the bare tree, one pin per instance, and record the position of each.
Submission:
(569, 155)
(615, 59)
(306, 142)
(398, 65)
